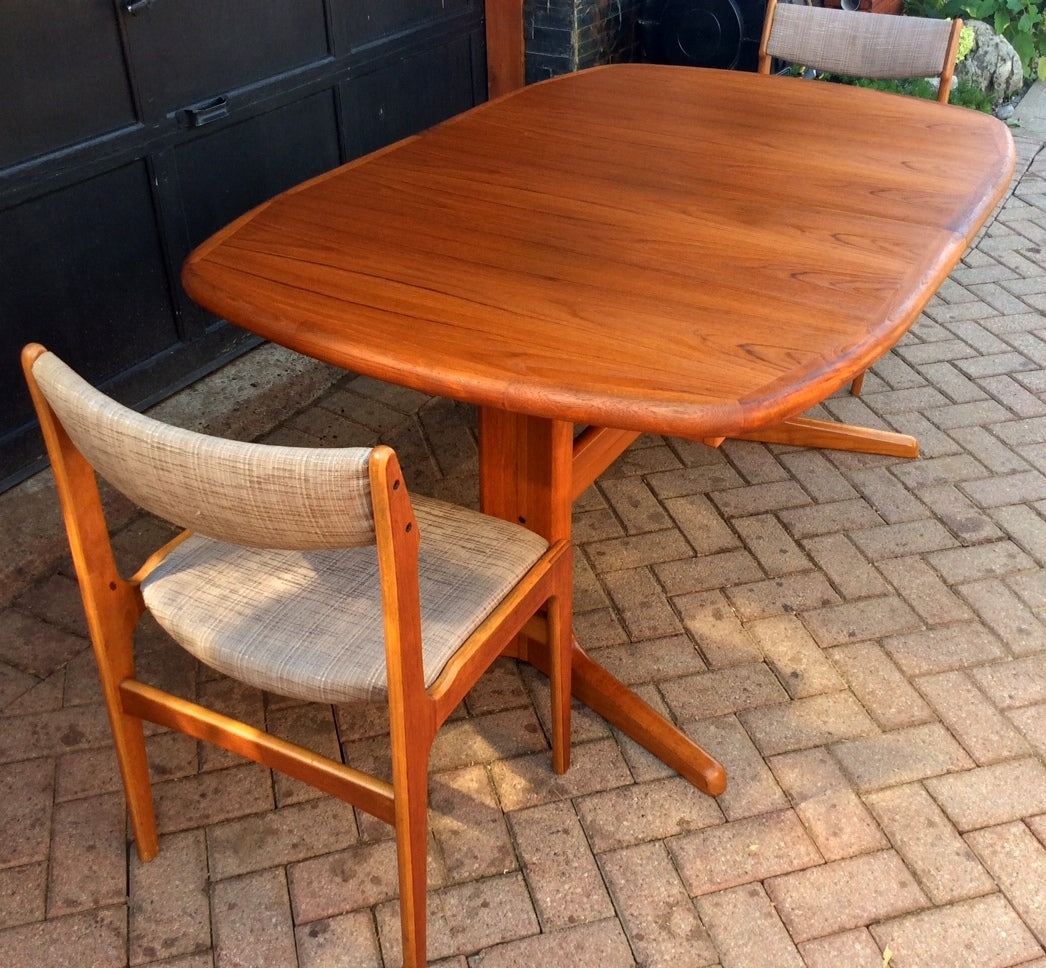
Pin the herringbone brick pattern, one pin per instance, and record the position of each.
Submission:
(861, 640)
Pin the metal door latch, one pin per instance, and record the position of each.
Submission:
(200, 114)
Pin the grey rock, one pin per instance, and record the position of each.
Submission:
(993, 65)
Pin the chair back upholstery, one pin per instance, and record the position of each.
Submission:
(257, 495)
(860, 44)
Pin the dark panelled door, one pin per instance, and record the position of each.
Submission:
(130, 130)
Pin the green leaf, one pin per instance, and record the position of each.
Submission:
(1021, 22)
(1022, 43)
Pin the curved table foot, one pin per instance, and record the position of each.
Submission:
(808, 432)
(621, 707)
(617, 704)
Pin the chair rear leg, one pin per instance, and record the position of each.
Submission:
(129, 740)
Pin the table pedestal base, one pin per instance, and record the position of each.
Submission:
(531, 471)
(528, 474)
(621, 707)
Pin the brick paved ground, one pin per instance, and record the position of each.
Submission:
(861, 640)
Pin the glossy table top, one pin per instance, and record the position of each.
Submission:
(652, 248)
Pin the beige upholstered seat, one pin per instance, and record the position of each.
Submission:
(310, 573)
(857, 44)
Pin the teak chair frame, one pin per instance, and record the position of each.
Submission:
(540, 602)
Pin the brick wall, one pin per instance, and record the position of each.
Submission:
(569, 35)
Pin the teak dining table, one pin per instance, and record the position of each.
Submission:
(629, 249)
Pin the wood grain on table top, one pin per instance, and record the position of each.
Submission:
(653, 248)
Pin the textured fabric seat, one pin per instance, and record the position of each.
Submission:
(308, 624)
(307, 572)
(856, 44)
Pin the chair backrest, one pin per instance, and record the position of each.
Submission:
(859, 44)
(250, 494)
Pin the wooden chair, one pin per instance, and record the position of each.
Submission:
(857, 44)
(310, 573)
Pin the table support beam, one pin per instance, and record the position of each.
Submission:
(531, 472)
(595, 449)
(808, 432)
(525, 470)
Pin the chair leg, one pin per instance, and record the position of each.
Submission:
(114, 654)
(560, 659)
(410, 785)
(129, 740)
(857, 385)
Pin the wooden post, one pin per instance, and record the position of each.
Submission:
(505, 59)
(526, 465)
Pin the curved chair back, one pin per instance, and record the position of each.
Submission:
(859, 44)
(250, 494)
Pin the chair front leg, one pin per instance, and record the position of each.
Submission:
(112, 635)
(129, 740)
